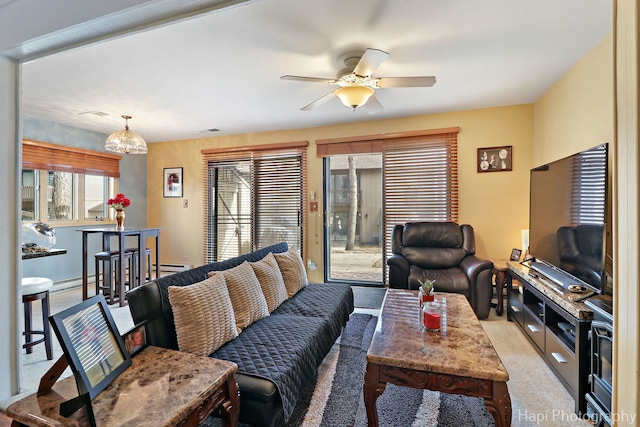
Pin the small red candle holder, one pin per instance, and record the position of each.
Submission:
(431, 316)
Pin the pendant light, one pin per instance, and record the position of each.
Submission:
(126, 141)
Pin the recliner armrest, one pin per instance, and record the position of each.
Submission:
(473, 266)
(398, 272)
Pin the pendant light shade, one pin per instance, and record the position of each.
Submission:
(126, 141)
(354, 96)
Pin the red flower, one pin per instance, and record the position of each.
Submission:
(119, 202)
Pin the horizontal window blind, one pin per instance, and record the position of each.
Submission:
(59, 158)
(589, 184)
(279, 189)
(254, 198)
(420, 181)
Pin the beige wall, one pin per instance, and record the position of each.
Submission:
(496, 203)
(576, 113)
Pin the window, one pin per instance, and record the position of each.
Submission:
(419, 175)
(254, 199)
(66, 184)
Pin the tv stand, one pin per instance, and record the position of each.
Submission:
(555, 324)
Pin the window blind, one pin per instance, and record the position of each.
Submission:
(59, 158)
(588, 187)
(254, 198)
(420, 181)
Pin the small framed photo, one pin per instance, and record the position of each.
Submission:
(172, 182)
(495, 159)
(135, 339)
(515, 254)
(92, 344)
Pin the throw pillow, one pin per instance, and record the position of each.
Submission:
(246, 295)
(203, 316)
(293, 271)
(271, 281)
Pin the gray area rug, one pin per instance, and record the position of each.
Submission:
(368, 296)
(336, 400)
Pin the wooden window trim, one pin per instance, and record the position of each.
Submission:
(372, 143)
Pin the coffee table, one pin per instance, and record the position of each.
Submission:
(461, 360)
(161, 388)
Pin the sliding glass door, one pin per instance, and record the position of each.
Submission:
(353, 219)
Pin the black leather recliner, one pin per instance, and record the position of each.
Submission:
(580, 251)
(444, 251)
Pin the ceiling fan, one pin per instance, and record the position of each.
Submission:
(356, 83)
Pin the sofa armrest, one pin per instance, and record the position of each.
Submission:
(145, 305)
(398, 272)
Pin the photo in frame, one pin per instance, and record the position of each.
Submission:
(495, 159)
(135, 339)
(92, 344)
(515, 254)
(172, 182)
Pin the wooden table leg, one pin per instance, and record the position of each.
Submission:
(500, 404)
(231, 407)
(501, 280)
(85, 272)
(372, 389)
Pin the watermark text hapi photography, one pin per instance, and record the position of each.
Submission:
(557, 415)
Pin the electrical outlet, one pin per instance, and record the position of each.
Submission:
(185, 203)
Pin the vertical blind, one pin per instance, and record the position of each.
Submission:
(254, 197)
(588, 187)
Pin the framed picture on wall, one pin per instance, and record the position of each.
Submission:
(494, 159)
(172, 182)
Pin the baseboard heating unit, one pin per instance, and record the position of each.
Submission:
(174, 267)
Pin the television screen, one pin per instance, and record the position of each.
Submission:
(568, 217)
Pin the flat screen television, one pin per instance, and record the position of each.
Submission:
(568, 216)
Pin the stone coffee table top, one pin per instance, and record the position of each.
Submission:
(464, 349)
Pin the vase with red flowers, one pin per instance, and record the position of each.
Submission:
(119, 203)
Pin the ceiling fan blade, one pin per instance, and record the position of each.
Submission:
(318, 102)
(308, 79)
(373, 106)
(423, 81)
(371, 59)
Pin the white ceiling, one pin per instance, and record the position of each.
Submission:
(222, 69)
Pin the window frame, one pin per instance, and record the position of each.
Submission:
(254, 155)
(45, 157)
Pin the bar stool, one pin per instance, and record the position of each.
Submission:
(136, 265)
(34, 289)
(110, 262)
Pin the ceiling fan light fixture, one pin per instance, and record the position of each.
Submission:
(126, 141)
(354, 96)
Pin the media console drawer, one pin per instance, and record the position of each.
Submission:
(534, 328)
(562, 359)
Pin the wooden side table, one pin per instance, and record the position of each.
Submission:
(500, 274)
(161, 388)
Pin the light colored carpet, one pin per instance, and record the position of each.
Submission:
(537, 396)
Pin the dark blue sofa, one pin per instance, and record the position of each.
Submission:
(277, 355)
